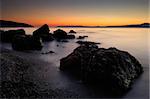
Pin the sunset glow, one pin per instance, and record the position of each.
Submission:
(88, 13)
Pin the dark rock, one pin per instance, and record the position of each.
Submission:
(62, 40)
(7, 36)
(47, 37)
(111, 68)
(49, 52)
(43, 32)
(72, 31)
(60, 34)
(87, 42)
(26, 42)
(82, 37)
(70, 36)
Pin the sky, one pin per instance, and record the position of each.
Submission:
(76, 12)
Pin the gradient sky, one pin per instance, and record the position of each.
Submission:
(76, 12)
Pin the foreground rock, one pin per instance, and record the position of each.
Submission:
(111, 68)
(26, 42)
(72, 31)
(43, 32)
(7, 36)
(61, 34)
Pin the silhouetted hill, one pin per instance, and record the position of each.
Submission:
(144, 25)
(80, 26)
(4, 23)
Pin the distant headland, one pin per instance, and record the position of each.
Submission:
(143, 25)
(4, 23)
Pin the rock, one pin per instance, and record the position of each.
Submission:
(47, 37)
(43, 32)
(72, 31)
(70, 36)
(7, 36)
(49, 52)
(82, 37)
(62, 40)
(26, 42)
(60, 34)
(86, 42)
(112, 68)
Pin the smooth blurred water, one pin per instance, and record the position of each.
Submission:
(134, 40)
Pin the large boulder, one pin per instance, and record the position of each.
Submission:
(43, 32)
(112, 68)
(26, 42)
(7, 36)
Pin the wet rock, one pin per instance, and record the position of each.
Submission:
(62, 40)
(87, 42)
(112, 68)
(70, 36)
(26, 42)
(82, 37)
(43, 32)
(72, 31)
(49, 52)
(61, 34)
(7, 36)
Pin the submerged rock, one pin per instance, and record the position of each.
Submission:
(43, 32)
(70, 36)
(82, 37)
(62, 40)
(72, 31)
(7, 36)
(112, 68)
(49, 52)
(87, 42)
(26, 42)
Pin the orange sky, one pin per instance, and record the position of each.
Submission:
(98, 13)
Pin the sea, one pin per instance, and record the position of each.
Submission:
(136, 41)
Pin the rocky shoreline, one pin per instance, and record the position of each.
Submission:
(113, 69)
(16, 79)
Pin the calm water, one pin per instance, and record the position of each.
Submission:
(134, 40)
